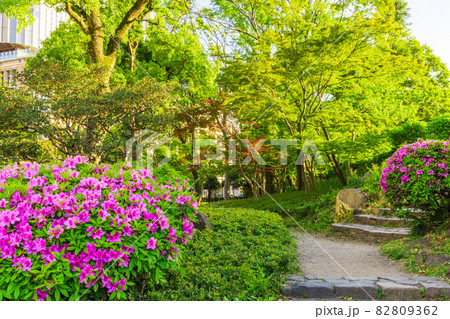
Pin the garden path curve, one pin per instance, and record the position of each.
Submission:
(363, 273)
(359, 259)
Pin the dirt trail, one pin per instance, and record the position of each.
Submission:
(357, 258)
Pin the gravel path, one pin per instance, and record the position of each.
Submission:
(357, 258)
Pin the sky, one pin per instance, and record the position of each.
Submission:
(429, 23)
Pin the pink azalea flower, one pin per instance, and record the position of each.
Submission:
(151, 243)
(114, 238)
(3, 203)
(164, 223)
(127, 231)
(41, 295)
(70, 223)
(98, 234)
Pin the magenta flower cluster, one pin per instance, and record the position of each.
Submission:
(416, 176)
(92, 221)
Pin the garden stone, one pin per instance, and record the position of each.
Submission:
(427, 279)
(296, 278)
(336, 281)
(362, 278)
(327, 278)
(362, 283)
(349, 200)
(410, 282)
(315, 281)
(394, 291)
(395, 278)
(435, 290)
(315, 290)
(202, 222)
(287, 291)
(355, 290)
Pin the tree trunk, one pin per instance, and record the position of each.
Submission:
(300, 184)
(311, 174)
(332, 157)
(226, 187)
(337, 168)
(304, 179)
(270, 186)
(209, 189)
(197, 186)
(91, 24)
(132, 48)
(348, 169)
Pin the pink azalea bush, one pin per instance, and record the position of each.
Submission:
(79, 230)
(417, 177)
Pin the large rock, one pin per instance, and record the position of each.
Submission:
(202, 222)
(349, 201)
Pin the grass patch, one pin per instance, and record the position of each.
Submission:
(246, 257)
(425, 256)
(313, 211)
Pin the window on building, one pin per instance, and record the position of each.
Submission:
(13, 31)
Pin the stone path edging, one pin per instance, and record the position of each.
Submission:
(366, 288)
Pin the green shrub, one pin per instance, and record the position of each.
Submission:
(246, 257)
(416, 176)
(76, 230)
(409, 132)
(371, 184)
(439, 129)
(355, 181)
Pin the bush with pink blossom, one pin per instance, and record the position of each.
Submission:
(80, 231)
(417, 177)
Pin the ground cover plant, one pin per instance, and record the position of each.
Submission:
(427, 256)
(245, 257)
(77, 230)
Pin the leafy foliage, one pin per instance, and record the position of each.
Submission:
(81, 231)
(246, 257)
(61, 105)
(439, 128)
(408, 133)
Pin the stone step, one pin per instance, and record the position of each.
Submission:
(365, 288)
(368, 232)
(381, 211)
(380, 220)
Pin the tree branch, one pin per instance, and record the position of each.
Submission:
(127, 22)
(76, 18)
